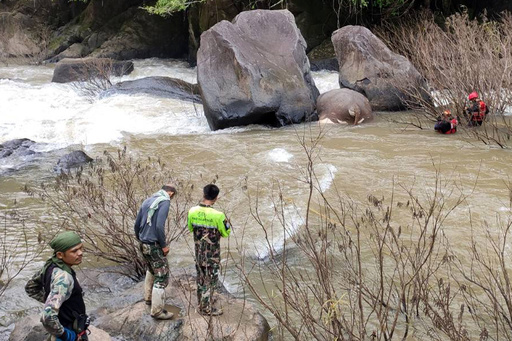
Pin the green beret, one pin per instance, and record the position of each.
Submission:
(65, 241)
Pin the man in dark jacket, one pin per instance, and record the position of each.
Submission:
(150, 231)
(64, 314)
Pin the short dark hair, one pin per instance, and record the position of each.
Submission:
(169, 188)
(210, 192)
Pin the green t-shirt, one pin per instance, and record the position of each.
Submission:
(207, 217)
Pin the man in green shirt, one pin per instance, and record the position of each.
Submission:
(208, 226)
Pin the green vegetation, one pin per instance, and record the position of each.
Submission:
(167, 7)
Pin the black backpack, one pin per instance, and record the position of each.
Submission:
(35, 286)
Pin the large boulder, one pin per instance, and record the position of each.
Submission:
(158, 86)
(74, 159)
(18, 36)
(255, 71)
(84, 69)
(130, 320)
(343, 106)
(368, 66)
(204, 14)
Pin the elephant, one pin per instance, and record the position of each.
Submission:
(343, 106)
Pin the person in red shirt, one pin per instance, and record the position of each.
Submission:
(476, 110)
(446, 124)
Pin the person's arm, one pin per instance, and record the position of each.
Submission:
(224, 226)
(189, 222)
(60, 290)
(163, 211)
(136, 227)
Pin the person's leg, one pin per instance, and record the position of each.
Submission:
(150, 278)
(160, 269)
(212, 255)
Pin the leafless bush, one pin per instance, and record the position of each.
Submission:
(102, 202)
(93, 76)
(382, 270)
(464, 56)
(17, 249)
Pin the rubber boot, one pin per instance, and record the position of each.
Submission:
(158, 305)
(148, 287)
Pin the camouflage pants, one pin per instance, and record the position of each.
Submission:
(207, 267)
(157, 264)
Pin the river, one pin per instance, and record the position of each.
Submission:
(358, 161)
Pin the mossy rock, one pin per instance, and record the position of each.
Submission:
(323, 51)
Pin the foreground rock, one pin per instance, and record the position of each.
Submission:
(368, 66)
(158, 86)
(31, 329)
(16, 147)
(131, 320)
(72, 70)
(343, 106)
(74, 159)
(255, 71)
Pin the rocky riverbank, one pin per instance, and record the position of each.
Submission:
(123, 315)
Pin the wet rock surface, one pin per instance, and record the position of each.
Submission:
(85, 69)
(74, 159)
(368, 66)
(158, 86)
(17, 147)
(124, 318)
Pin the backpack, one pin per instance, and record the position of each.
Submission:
(35, 286)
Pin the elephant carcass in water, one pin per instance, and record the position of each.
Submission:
(343, 106)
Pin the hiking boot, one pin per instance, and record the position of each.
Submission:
(163, 315)
(211, 312)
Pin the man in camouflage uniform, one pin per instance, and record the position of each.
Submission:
(64, 314)
(150, 231)
(208, 226)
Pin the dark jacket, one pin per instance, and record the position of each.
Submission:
(156, 232)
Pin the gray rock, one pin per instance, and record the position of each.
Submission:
(368, 66)
(83, 69)
(17, 147)
(74, 159)
(343, 106)
(330, 64)
(76, 50)
(31, 329)
(255, 71)
(133, 322)
(19, 35)
(143, 35)
(158, 86)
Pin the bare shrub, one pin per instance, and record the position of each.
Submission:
(379, 270)
(464, 56)
(17, 250)
(93, 76)
(102, 202)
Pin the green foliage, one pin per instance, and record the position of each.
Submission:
(167, 7)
